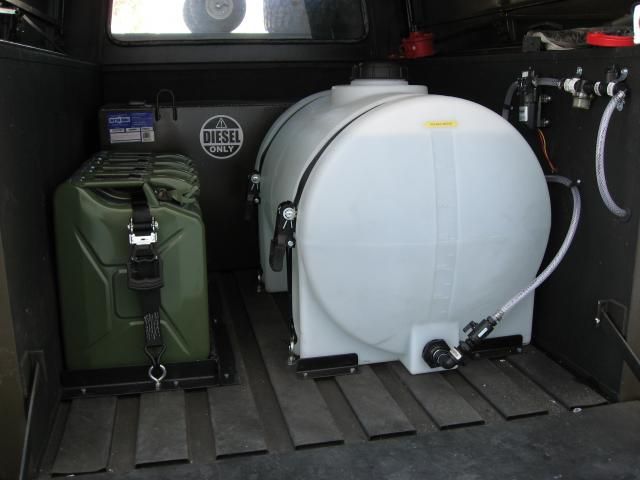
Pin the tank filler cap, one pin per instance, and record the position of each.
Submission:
(378, 71)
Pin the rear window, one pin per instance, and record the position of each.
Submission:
(179, 20)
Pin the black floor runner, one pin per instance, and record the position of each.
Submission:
(599, 443)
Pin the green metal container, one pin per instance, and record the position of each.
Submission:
(101, 317)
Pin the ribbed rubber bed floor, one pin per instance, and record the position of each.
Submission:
(272, 411)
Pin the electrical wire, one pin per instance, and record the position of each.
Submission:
(545, 151)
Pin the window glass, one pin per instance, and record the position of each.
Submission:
(324, 20)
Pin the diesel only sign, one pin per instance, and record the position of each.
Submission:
(221, 136)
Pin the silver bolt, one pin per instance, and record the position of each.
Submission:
(289, 214)
(290, 243)
(598, 321)
(579, 72)
(255, 178)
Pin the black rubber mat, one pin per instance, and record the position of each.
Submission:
(374, 406)
(87, 436)
(595, 444)
(511, 400)
(125, 431)
(555, 380)
(237, 428)
(275, 412)
(162, 428)
(305, 410)
(446, 407)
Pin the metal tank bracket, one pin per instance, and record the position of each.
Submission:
(330, 366)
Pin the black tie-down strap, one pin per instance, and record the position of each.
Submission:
(282, 245)
(253, 194)
(144, 271)
(283, 235)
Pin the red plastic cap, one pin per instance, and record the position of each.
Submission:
(418, 45)
(599, 39)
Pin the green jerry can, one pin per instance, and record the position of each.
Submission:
(102, 317)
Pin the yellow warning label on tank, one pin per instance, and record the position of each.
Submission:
(441, 124)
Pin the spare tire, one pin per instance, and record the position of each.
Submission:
(287, 17)
(319, 19)
(213, 16)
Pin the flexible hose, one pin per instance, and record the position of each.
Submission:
(568, 239)
(600, 174)
(547, 82)
(506, 108)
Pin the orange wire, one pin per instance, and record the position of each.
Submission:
(545, 151)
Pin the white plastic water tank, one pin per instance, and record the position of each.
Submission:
(416, 214)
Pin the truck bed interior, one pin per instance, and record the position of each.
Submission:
(564, 406)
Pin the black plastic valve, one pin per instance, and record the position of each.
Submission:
(437, 353)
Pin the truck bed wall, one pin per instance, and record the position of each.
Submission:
(48, 113)
(600, 264)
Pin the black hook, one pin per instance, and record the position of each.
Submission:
(173, 103)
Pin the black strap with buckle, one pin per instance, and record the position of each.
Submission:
(253, 194)
(144, 271)
(283, 235)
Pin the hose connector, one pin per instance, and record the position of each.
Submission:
(437, 353)
(476, 333)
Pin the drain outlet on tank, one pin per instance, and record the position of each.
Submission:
(438, 354)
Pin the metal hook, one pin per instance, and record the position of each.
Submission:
(173, 103)
(159, 379)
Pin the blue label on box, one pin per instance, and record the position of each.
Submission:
(130, 127)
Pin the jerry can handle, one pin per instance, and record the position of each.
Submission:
(130, 183)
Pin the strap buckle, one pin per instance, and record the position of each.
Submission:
(144, 269)
(253, 194)
(283, 235)
(149, 237)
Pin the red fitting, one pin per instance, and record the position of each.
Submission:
(418, 45)
(600, 39)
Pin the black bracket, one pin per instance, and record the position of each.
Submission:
(617, 332)
(283, 235)
(530, 110)
(173, 103)
(330, 366)
(253, 194)
(30, 359)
